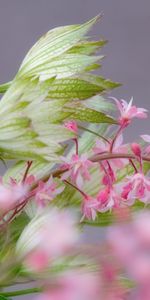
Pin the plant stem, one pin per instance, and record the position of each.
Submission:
(95, 133)
(21, 292)
(29, 163)
(107, 156)
(76, 188)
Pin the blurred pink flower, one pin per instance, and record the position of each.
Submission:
(131, 245)
(72, 126)
(146, 138)
(11, 194)
(75, 285)
(136, 149)
(47, 237)
(47, 191)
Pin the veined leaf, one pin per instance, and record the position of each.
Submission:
(105, 84)
(73, 88)
(87, 47)
(52, 44)
(63, 66)
(78, 88)
(82, 113)
(31, 110)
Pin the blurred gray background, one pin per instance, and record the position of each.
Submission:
(126, 24)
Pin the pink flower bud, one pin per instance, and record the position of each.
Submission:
(136, 149)
(72, 126)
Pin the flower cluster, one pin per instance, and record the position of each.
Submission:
(109, 156)
(52, 236)
(112, 194)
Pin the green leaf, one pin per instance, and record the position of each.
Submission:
(4, 298)
(53, 44)
(31, 110)
(82, 113)
(63, 66)
(98, 103)
(73, 88)
(105, 84)
(79, 88)
(4, 87)
(87, 47)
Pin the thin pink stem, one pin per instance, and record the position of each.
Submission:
(77, 145)
(109, 155)
(115, 137)
(29, 163)
(75, 187)
(133, 165)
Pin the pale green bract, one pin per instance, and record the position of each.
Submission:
(48, 88)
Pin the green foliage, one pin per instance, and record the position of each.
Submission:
(48, 88)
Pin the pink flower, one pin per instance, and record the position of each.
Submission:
(78, 169)
(129, 111)
(37, 260)
(136, 149)
(72, 126)
(47, 237)
(146, 138)
(130, 244)
(11, 195)
(118, 147)
(137, 187)
(109, 177)
(75, 285)
(90, 206)
(47, 191)
(107, 199)
(110, 198)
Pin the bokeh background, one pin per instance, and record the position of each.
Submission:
(125, 23)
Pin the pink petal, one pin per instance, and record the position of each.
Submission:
(146, 137)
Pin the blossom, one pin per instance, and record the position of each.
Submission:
(78, 169)
(47, 191)
(110, 198)
(106, 199)
(75, 285)
(130, 244)
(136, 149)
(89, 208)
(109, 177)
(146, 137)
(11, 194)
(137, 187)
(102, 147)
(129, 111)
(72, 126)
(48, 236)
